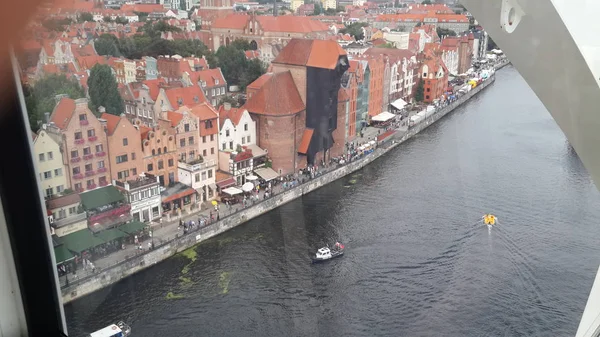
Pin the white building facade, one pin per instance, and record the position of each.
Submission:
(49, 161)
(143, 194)
(237, 128)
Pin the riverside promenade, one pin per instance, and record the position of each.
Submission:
(169, 239)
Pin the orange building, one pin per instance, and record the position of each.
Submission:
(124, 147)
(160, 152)
(186, 129)
(434, 75)
(376, 64)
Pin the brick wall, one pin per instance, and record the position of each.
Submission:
(279, 136)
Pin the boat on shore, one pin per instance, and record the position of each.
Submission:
(324, 254)
(114, 330)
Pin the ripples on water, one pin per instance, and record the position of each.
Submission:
(416, 264)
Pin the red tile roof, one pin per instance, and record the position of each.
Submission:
(311, 53)
(232, 21)
(189, 96)
(210, 76)
(174, 117)
(111, 122)
(291, 24)
(154, 86)
(144, 131)
(259, 82)
(63, 112)
(234, 114)
(145, 8)
(278, 96)
(305, 142)
(204, 111)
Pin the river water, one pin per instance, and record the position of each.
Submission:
(416, 263)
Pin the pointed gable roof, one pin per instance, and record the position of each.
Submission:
(63, 112)
(174, 117)
(111, 122)
(179, 97)
(278, 96)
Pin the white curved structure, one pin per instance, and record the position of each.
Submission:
(555, 46)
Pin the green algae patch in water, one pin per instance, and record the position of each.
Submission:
(353, 181)
(185, 281)
(190, 253)
(171, 296)
(224, 280)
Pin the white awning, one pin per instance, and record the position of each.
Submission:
(251, 177)
(383, 117)
(256, 151)
(266, 173)
(399, 104)
(232, 191)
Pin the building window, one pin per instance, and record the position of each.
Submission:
(149, 167)
(427, 97)
(76, 170)
(153, 152)
(90, 183)
(125, 142)
(82, 117)
(50, 156)
(78, 135)
(428, 89)
(231, 145)
(160, 165)
(101, 164)
(192, 155)
(98, 148)
(210, 174)
(78, 187)
(123, 174)
(49, 194)
(203, 139)
(204, 175)
(212, 138)
(227, 133)
(122, 159)
(182, 142)
(204, 152)
(170, 162)
(91, 132)
(132, 155)
(58, 172)
(212, 92)
(191, 140)
(212, 150)
(88, 167)
(243, 140)
(48, 175)
(182, 157)
(248, 139)
(197, 177)
(208, 124)
(165, 149)
(60, 188)
(186, 127)
(87, 151)
(43, 157)
(224, 146)
(134, 171)
(246, 127)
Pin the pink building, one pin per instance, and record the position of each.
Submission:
(83, 140)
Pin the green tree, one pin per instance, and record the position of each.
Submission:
(40, 98)
(107, 44)
(419, 94)
(396, 3)
(57, 25)
(330, 11)
(141, 15)
(229, 99)
(445, 32)
(107, 19)
(254, 69)
(232, 62)
(355, 29)
(318, 9)
(103, 90)
(121, 20)
(85, 17)
(387, 45)
(426, 2)
(241, 44)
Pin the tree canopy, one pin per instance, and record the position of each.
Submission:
(445, 32)
(149, 43)
(355, 29)
(236, 68)
(103, 91)
(419, 94)
(57, 25)
(85, 16)
(40, 98)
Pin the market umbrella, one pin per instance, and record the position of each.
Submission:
(214, 203)
(247, 187)
(251, 177)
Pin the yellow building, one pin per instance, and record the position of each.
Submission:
(49, 161)
(296, 4)
(329, 4)
(377, 35)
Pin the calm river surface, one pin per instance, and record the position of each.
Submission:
(416, 263)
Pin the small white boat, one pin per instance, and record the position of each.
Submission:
(114, 330)
(324, 254)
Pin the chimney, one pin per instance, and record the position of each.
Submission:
(227, 106)
(275, 8)
(101, 109)
(46, 117)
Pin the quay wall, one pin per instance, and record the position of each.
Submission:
(108, 276)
